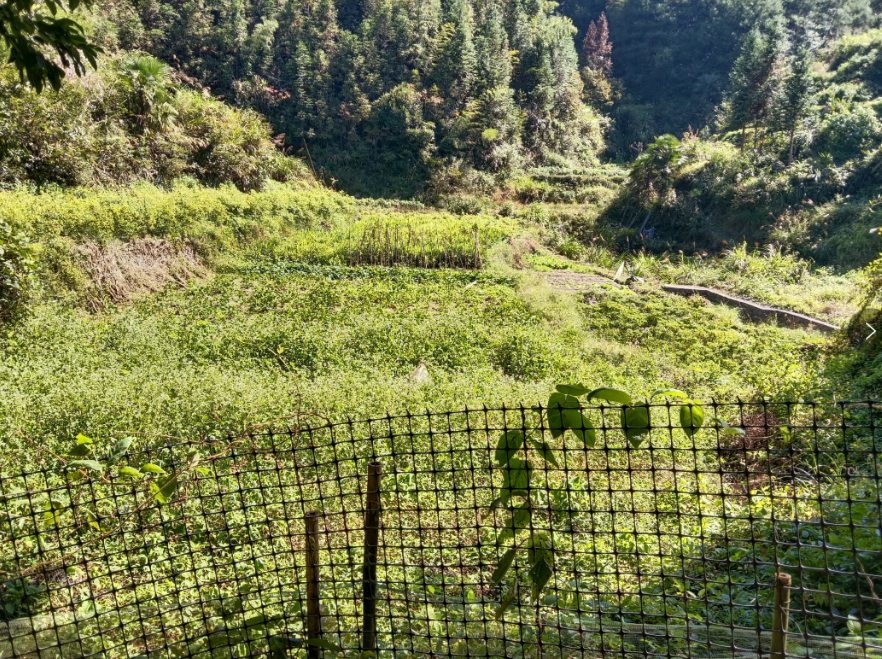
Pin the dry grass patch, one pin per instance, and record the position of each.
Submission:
(124, 271)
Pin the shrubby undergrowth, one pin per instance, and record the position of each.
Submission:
(133, 120)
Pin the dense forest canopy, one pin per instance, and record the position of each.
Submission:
(476, 85)
(673, 57)
(404, 97)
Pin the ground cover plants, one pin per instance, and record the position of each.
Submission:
(168, 432)
(195, 547)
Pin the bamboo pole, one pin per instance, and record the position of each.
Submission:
(477, 251)
(371, 544)
(313, 602)
(781, 615)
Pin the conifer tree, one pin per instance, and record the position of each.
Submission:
(754, 80)
(795, 98)
(492, 52)
(455, 68)
(596, 46)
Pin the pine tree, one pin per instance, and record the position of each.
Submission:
(795, 98)
(596, 46)
(754, 80)
(492, 52)
(455, 68)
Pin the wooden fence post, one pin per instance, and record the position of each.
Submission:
(371, 543)
(313, 602)
(781, 615)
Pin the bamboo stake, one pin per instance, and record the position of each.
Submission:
(371, 543)
(313, 602)
(477, 251)
(781, 615)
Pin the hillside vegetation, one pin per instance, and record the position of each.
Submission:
(256, 231)
(201, 162)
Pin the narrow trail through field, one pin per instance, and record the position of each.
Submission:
(577, 281)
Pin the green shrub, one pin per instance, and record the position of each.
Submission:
(130, 121)
(16, 270)
(847, 131)
(463, 205)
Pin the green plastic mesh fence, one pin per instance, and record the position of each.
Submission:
(637, 532)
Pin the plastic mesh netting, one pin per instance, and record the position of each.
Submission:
(667, 547)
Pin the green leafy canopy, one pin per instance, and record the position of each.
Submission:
(29, 30)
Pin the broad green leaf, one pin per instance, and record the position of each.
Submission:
(522, 515)
(727, 429)
(504, 564)
(610, 395)
(691, 418)
(157, 493)
(53, 509)
(507, 600)
(557, 403)
(80, 450)
(580, 425)
(508, 446)
(131, 472)
(82, 439)
(324, 644)
(520, 519)
(671, 393)
(539, 574)
(94, 465)
(517, 474)
(635, 422)
(163, 488)
(501, 501)
(854, 626)
(119, 450)
(545, 451)
(151, 468)
(572, 389)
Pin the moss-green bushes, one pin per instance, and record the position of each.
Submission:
(100, 130)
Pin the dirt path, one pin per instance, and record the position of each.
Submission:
(577, 281)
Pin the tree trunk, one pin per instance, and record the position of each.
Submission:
(790, 157)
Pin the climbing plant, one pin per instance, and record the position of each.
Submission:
(519, 494)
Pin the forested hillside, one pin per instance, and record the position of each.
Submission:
(673, 58)
(411, 88)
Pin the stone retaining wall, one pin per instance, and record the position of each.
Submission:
(754, 312)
